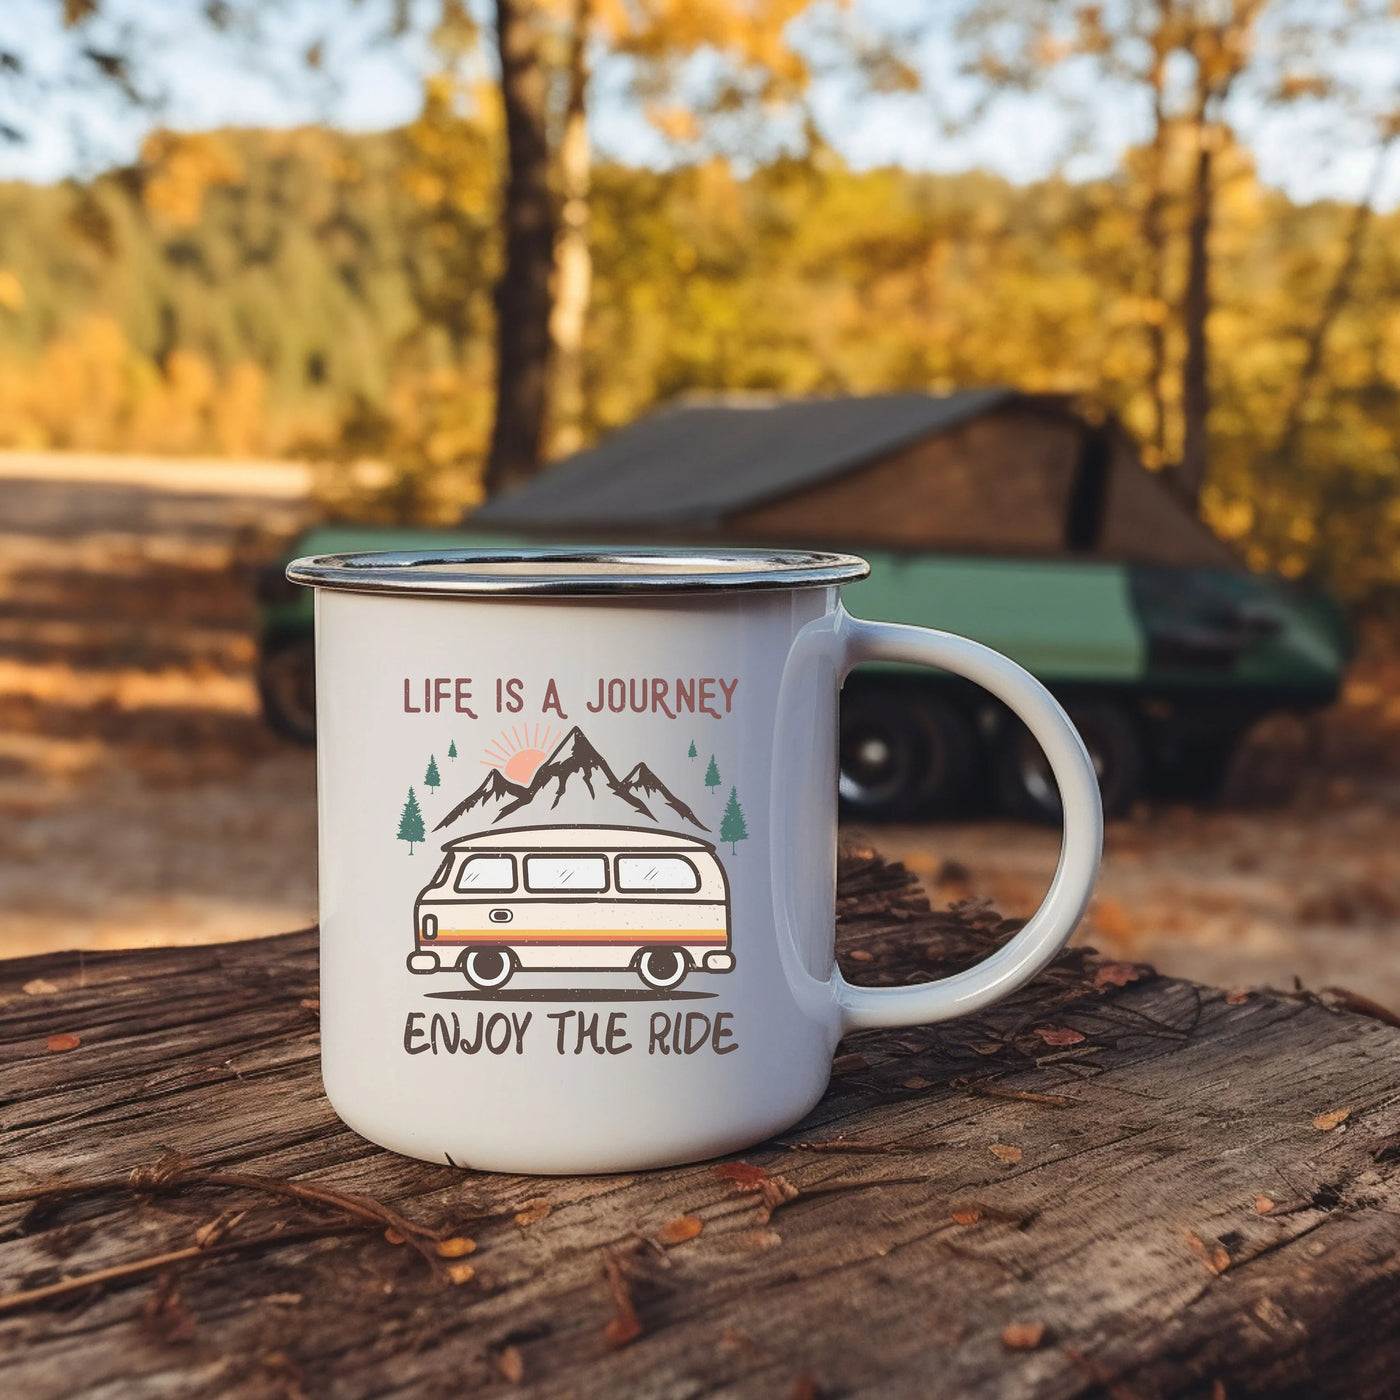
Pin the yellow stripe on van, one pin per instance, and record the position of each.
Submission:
(582, 936)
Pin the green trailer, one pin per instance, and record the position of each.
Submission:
(1013, 520)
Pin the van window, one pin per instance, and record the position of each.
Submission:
(587, 874)
(637, 873)
(495, 873)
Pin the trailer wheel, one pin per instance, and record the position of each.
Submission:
(1025, 787)
(663, 968)
(903, 755)
(487, 968)
(287, 689)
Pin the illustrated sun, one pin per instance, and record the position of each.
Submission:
(519, 751)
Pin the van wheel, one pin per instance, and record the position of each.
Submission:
(663, 968)
(1025, 786)
(903, 755)
(287, 689)
(487, 968)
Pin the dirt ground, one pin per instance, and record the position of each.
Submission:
(142, 801)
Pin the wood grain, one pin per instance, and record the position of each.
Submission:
(1129, 1228)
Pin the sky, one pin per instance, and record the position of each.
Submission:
(204, 80)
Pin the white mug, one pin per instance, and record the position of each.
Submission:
(577, 844)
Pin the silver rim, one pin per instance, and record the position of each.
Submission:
(574, 572)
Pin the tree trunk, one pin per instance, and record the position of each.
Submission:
(1195, 315)
(573, 264)
(1338, 294)
(523, 293)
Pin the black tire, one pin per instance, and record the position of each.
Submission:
(287, 689)
(1025, 787)
(903, 755)
(1196, 772)
(487, 968)
(663, 968)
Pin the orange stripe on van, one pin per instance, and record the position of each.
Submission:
(587, 937)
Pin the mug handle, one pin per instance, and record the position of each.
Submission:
(1052, 924)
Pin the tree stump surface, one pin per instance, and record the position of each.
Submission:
(1113, 1184)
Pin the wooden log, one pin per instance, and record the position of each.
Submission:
(1114, 1184)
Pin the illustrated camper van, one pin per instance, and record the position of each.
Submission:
(566, 899)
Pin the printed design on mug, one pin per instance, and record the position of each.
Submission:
(563, 867)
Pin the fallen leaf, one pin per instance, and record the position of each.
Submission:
(455, 1247)
(64, 1041)
(624, 1326)
(1116, 974)
(776, 1191)
(39, 987)
(1005, 1153)
(1263, 1205)
(966, 1217)
(1022, 1336)
(861, 955)
(511, 1364)
(679, 1230)
(1324, 1121)
(848, 1064)
(745, 1176)
(533, 1211)
(1237, 997)
(393, 1236)
(460, 1273)
(1215, 1257)
(1059, 1035)
(917, 1082)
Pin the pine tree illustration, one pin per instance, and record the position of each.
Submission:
(411, 823)
(712, 779)
(432, 777)
(691, 754)
(452, 749)
(732, 827)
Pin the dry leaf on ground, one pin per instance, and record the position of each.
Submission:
(394, 1237)
(1022, 1336)
(533, 1211)
(511, 1364)
(1327, 1121)
(1236, 997)
(1059, 1035)
(969, 1216)
(861, 955)
(1214, 1256)
(679, 1230)
(1116, 974)
(461, 1273)
(1004, 1152)
(66, 1040)
(917, 1082)
(1263, 1205)
(455, 1248)
(624, 1326)
(39, 987)
(744, 1175)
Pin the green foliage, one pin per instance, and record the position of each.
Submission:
(411, 822)
(712, 778)
(691, 754)
(452, 749)
(732, 827)
(432, 778)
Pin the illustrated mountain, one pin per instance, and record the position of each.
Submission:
(496, 792)
(644, 783)
(573, 786)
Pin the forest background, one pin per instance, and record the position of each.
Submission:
(315, 293)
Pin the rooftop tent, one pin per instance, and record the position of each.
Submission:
(985, 471)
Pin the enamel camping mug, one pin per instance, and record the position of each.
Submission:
(578, 848)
